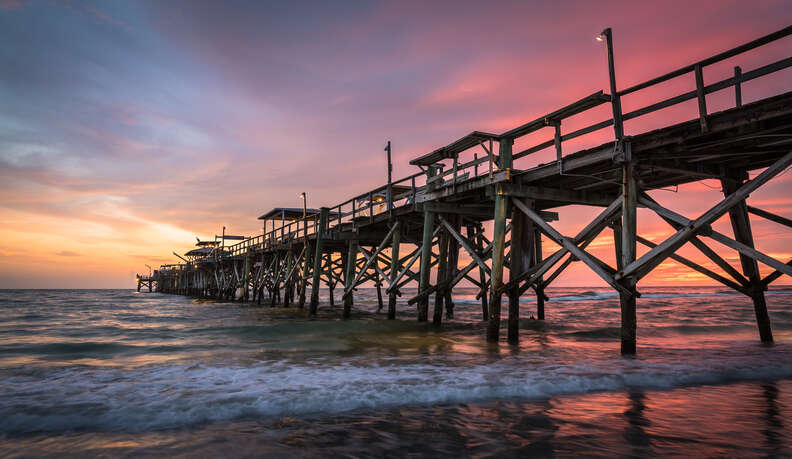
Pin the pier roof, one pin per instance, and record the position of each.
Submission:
(287, 213)
(199, 252)
(457, 146)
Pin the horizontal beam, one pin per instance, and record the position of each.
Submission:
(770, 216)
(538, 193)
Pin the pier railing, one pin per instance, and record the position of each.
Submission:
(474, 166)
(364, 207)
(349, 212)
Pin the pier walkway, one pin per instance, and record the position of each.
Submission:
(411, 231)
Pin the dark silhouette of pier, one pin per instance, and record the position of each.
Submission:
(399, 233)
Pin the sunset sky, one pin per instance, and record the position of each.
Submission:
(129, 128)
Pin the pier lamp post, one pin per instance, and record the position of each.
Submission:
(305, 213)
(390, 178)
(618, 126)
(149, 267)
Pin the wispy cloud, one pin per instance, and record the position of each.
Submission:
(128, 128)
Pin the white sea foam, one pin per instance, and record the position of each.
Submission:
(174, 396)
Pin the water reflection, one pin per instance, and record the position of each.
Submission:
(774, 425)
(635, 431)
(743, 419)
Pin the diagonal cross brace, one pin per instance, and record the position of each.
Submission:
(570, 245)
(370, 260)
(655, 256)
(458, 278)
(589, 232)
(723, 239)
(464, 243)
(674, 220)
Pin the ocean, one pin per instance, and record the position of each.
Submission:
(121, 373)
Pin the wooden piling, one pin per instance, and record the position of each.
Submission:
(522, 257)
(484, 293)
(442, 276)
(741, 226)
(628, 249)
(395, 267)
(540, 287)
(352, 251)
(317, 268)
(306, 266)
(499, 245)
(426, 255)
(378, 282)
(453, 265)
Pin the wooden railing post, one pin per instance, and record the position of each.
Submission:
(738, 86)
(702, 98)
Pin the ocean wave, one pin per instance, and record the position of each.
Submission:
(174, 396)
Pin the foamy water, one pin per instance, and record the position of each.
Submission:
(108, 363)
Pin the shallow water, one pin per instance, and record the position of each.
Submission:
(118, 372)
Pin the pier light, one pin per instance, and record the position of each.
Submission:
(600, 37)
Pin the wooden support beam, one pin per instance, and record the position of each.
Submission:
(370, 259)
(317, 270)
(394, 271)
(627, 293)
(464, 243)
(306, 266)
(350, 276)
(426, 251)
(591, 261)
(770, 216)
(442, 276)
(741, 226)
(773, 276)
(538, 193)
(702, 98)
(496, 275)
(499, 244)
(522, 257)
(405, 270)
(696, 267)
(674, 219)
(539, 285)
(743, 249)
(453, 264)
(482, 274)
(590, 231)
(654, 257)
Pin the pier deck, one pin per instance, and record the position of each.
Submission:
(401, 232)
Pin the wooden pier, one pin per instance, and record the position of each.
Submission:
(404, 231)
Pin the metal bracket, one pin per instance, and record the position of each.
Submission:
(622, 151)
